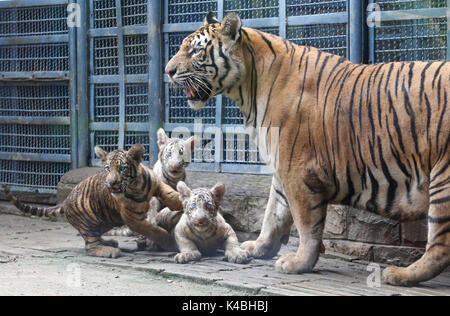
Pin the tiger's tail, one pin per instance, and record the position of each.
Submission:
(33, 210)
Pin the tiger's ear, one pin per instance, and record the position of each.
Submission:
(162, 138)
(210, 19)
(136, 152)
(185, 192)
(218, 192)
(100, 153)
(231, 26)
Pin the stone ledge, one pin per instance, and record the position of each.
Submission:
(392, 255)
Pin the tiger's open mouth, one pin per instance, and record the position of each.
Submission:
(196, 94)
(115, 191)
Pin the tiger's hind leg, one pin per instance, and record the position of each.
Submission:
(437, 255)
(97, 247)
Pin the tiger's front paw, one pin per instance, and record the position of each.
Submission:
(292, 264)
(237, 255)
(185, 257)
(396, 276)
(110, 243)
(261, 249)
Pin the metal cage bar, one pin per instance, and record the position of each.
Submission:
(37, 96)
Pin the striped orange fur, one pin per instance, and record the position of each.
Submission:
(375, 137)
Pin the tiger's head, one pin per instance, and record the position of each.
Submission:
(201, 205)
(121, 167)
(174, 153)
(210, 61)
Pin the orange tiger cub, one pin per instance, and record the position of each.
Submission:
(118, 196)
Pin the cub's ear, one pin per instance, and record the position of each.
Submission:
(185, 192)
(218, 192)
(162, 138)
(191, 142)
(101, 154)
(136, 152)
(210, 18)
(231, 26)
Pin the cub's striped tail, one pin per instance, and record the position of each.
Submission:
(33, 210)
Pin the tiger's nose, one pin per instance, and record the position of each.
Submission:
(202, 221)
(171, 71)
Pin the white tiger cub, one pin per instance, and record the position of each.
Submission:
(173, 159)
(200, 229)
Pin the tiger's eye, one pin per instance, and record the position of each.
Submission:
(208, 206)
(193, 205)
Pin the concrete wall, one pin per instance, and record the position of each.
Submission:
(353, 232)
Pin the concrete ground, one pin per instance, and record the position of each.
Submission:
(40, 257)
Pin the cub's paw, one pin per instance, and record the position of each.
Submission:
(185, 257)
(396, 276)
(237, 255)
(104, 252)
(261, 249)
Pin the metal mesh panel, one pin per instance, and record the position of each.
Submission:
(142, 138)
(136, 54)
(35, 57)
(134, 12)
(411, 40)
(331, 38)
(107, 100)
(205, 152)
(106, 103)
(137, 103)
(311, 7)
(180, 112)
(106, 56)
(387, 5)
(46, 139)
(184, 11)
(104, 12)
(35, 101)
(249, 9)
(30, 174)
(239, 149)
(108, 140)
(48, 20)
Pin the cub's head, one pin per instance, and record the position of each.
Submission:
(209, 61)
(174, 153)
(121, 167)
(201, 205)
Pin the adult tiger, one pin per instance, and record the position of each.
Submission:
(374, 137)
(118, 196)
